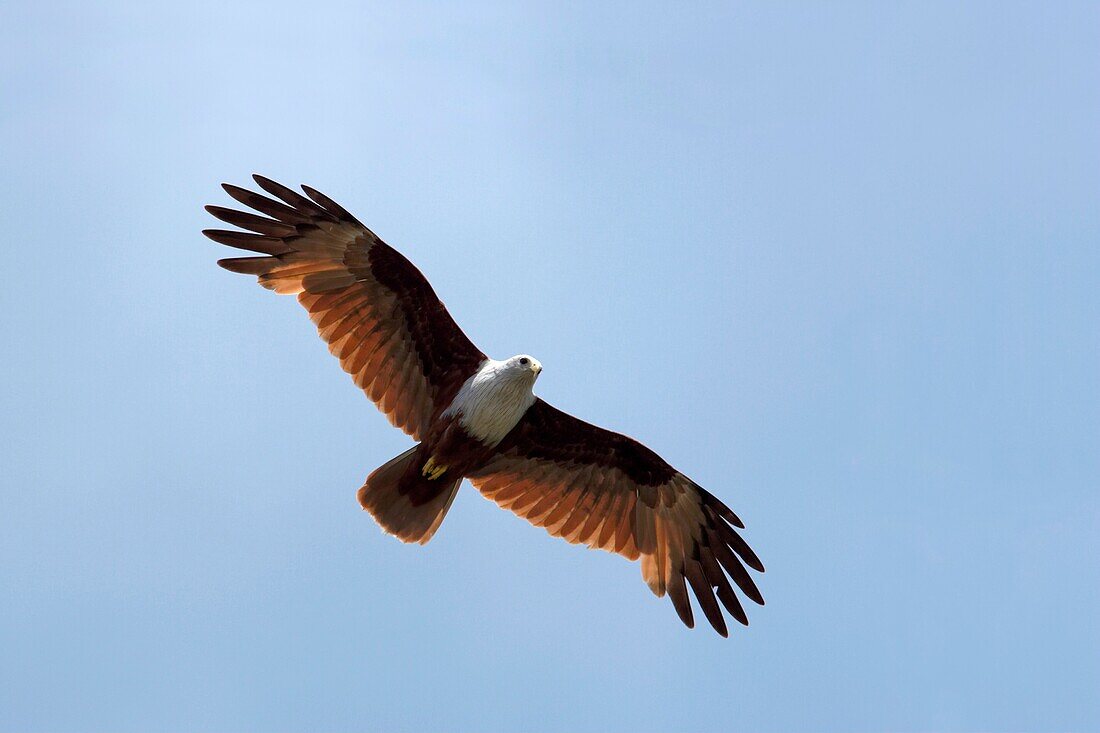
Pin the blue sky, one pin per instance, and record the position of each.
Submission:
(838, 263)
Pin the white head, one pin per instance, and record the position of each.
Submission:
(521, 367)
(492, 400)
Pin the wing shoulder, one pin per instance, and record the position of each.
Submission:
(547, 433)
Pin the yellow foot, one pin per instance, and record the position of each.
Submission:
(432, 471)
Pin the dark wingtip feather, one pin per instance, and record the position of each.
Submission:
(719, 507)
(717, 578)
(258, 224)
(329, 204)
(271, 207)
(745, 552)
(729, 600)
(248, 241)
(247, 265)
(745, 583)
(733, 567)
(677, 592)
(703, 593)
(730, 537)
(752, 592)
(291, 197)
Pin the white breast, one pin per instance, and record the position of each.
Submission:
(491, 402)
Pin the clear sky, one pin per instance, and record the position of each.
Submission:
(839, 264)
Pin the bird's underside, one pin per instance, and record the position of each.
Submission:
(475, 417)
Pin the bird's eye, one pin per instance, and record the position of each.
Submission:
(525, 361)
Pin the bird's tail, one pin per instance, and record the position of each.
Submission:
(407, 504)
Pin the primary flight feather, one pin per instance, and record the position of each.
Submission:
(475, 417)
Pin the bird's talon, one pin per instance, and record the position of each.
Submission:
(431, 471)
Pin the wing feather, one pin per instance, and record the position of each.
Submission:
(376, 311)
(258, 224)
(592, 486)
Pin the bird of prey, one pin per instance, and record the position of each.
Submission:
(477, 418)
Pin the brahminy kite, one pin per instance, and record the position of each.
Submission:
(477, 418)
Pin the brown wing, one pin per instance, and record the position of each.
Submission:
(375, 310)
(592, 486)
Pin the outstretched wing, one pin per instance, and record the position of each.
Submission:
(375, 310)
(592, 486)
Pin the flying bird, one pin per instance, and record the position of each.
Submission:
(478, 418)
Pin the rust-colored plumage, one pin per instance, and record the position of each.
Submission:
(588, 485)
